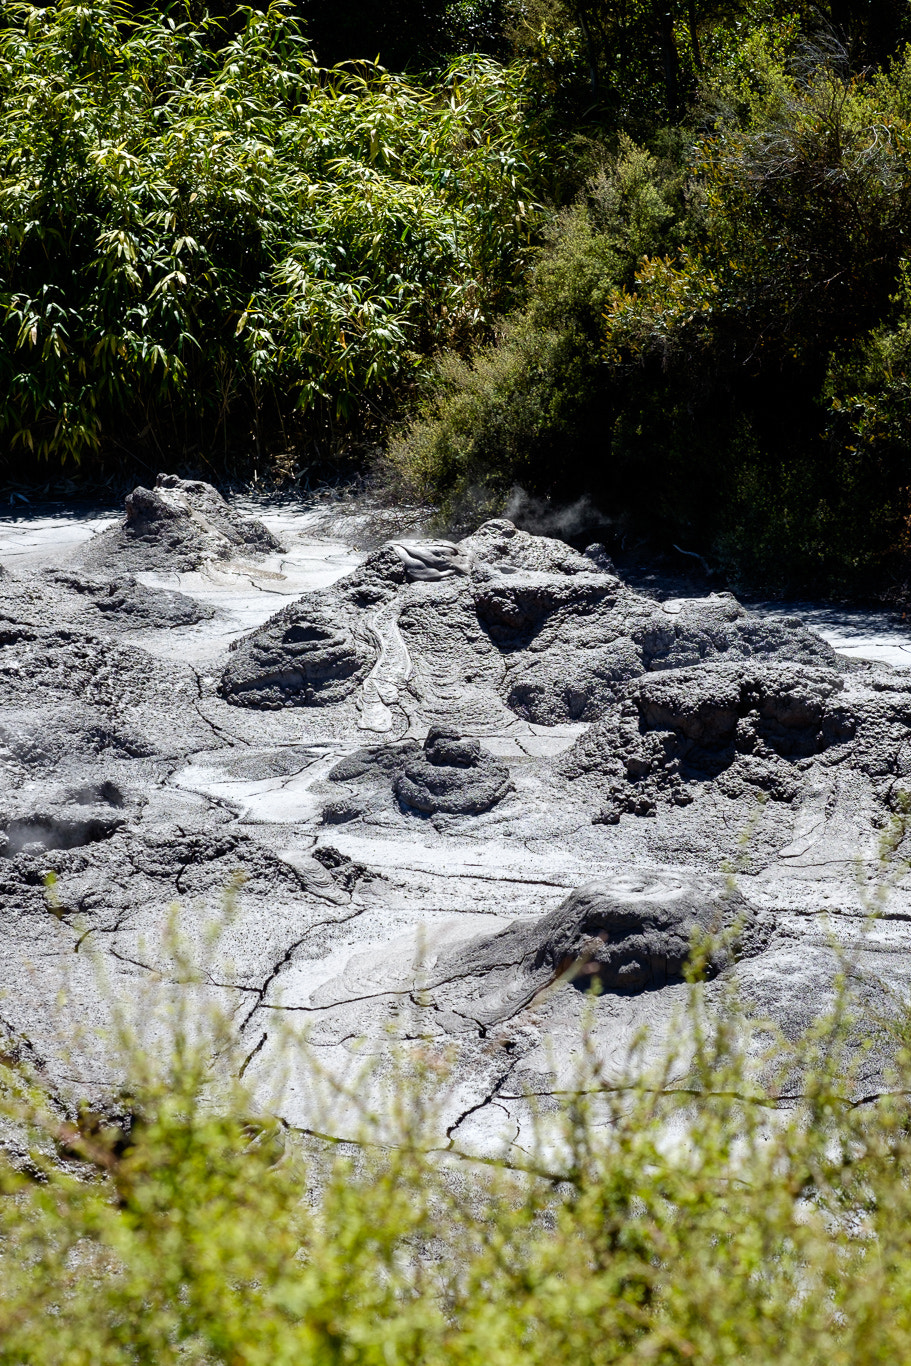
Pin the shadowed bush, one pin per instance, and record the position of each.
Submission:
(722, 358)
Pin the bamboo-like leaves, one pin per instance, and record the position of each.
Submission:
(161, 186)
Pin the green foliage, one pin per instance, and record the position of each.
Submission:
(198, 234)
(794, 267)
(751, 301)
(733, 1202)
(531, 408)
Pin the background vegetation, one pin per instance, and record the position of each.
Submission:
(207, 242)
(654, 253)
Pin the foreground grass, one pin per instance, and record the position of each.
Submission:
(718, 1219)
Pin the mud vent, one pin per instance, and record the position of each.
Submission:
(35, 834)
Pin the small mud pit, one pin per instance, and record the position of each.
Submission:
(37, 834)
(93, 793)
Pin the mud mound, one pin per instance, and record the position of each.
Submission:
(533, 626)
(452, 776)
(46, 738)
(373, 760)
(66, 664)
(448, 775)
(743, 726)
(501, 544)
(306, 655)
(375, 582)
(632, 933)
(574, 661)
(176, 526)
(319, 649)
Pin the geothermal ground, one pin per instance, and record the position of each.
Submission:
(477, 794)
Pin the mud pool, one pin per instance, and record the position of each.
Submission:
(453, 778)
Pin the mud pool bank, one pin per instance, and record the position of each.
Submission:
(448, 775)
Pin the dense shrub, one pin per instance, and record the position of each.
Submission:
(530, 409)
(795, 266)
(750, 391)
(203, 233)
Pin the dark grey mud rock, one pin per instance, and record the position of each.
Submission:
(69, 700)
(47, 738)
(501, 544)
(373, 760)
(374, 583)
(67, 664)
(374, 769)
(571, 653)
(306, 655)
(569, 633)
(317, 650)
(450, 776)
(56, 829)
(176, 526)
(124, 601)
(102, 875)
(93, 603)
(742, 729)
(25, 600)
(632, 933)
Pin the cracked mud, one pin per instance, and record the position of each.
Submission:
(464, 795)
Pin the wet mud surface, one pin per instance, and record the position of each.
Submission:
(467, 795)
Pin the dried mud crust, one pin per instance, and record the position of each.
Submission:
(140, 786)
(632, 933)
(126, 602)
(176, 526)
(66, 664)
(95, 603)
(119, 874)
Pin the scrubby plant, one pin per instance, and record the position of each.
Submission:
(744, 1198)
(530, 409)
(792, 271)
